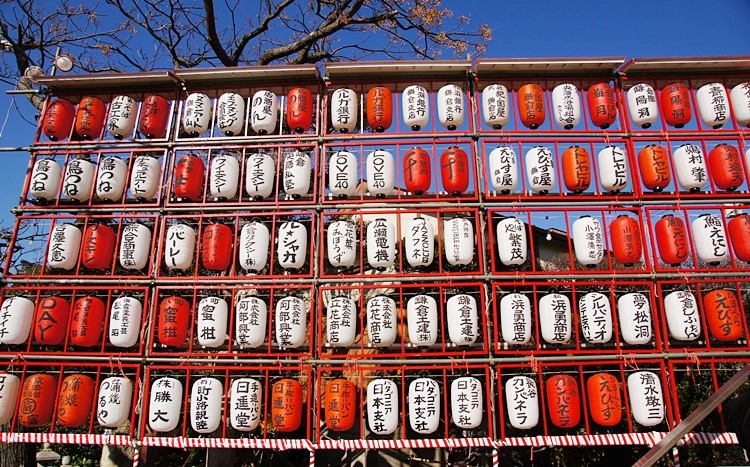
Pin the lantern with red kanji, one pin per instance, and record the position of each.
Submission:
(340, 404)
(454, 169)
(188, 177)
(155, 112)
(300, 108)
(51, 320)
(675, 104)
(75, 400)
(626, 240)
(286, 408)
(86, 323)
(605, 402)
(37, 400)
(531, 105)
(563, 401)
(671, 240)
(98, 246)
(216, 248)
(379, 108)
(90, 117)
(723, 314)
(653, 165)
(58, 119)
(417, 170)
(174, 320)
(576, 165)
(602, 105)
(739, 236)
(726, 167)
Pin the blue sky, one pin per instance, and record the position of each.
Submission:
(574, 28)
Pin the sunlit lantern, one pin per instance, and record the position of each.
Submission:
(646, 398)
(458, 241)
(739, 234)
(713, 105)
(463, 319)
(254, 242)
(515, 318)
(495, 107)
(230, 113)
(286, 405)
(260, 172)
(213, 316)
(300, 108)
(74, 403)
(343, 170)
(566, 105)
(197, 113)
(10, 386)
(224, 177)
(217, 247)
(122, 115)
(164, 404)
(264, 112)
(450, 100)
(625, 232)
(419, 242)
(188, 178)
(512, 242)
(563, 401)
(422, 320)
(145, 178)
(45, 180)
(424, 403)
(642, 105)
(466, 402)
(58, 119)
(341, 244)
(613, 169)
(78, 180)
(381, 321)
(381, 244)
(51, 320)
(250, 324)
(634, 312)
(135, 246)
(98, 246)
(111, 179)
(710, 238)
(16, 316)
(417, 171)
(602, 105)
(86, 322)
(690, 166)
(380, 173)
(113, 401)
(675, 104)
(683, 318)
(125, 321)
(205, 405)
(522, 402)
(291, 250)
(344, 105)
(341, 322)
(382, 406)
(596, 318)
(604, 399)
(415, 107)
(726, 167)
(540, 169)
(291, 322)
(64, 245)
(245, 398)
(155, 112)
(297, 174)
(576, 168)
(740, 96)
(179, 247)
(653, 165)
(555, 318)
(530, 99)
(455, 170)
(723, 314)
(503, 169)
(379, 108)
(174, 321)
(340, 404)
(588, 241)
(672, 240)
(90, 117)
(37, 400)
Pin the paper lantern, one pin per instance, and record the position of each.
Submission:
(739, 234)
(343, 172)
(450, 100)
(292, 247)
(604, 399)
(291, 322)
(424, 405)
(683, 318)
(64, 245)
(340, 405)
(522, 402)
(419, 242)
(463, 319)
(197, 113)
(344, 105)
(726, 167)
(415, 107)
(563, 401)
(297, 174)
(75, 400)
(613, 169)
(381, 321)
(380, 173)
(155, 112)
(251, 320)
(382, 406)
(125, 321)
(300, 108)
(188, 178)
(286, 408)
(113, 401)
(576, 168)
(671, 240)
(515, 318)
(217, 247)
(78, 180)
(596, 318)
(379, 108)
(341, 322)
(381, 244)
(45, 180)
(723, 314)
(260, 172)
(59, 116)
(625, 232)
(87, 320)
(555, 318)
(10, 386)
(164, 404)
(634, 312)
(135, 246)
(223, 177)
(111, 178)
(254, 243)
(90, 117)
(646, 398)
(602, 105)
(642, 105)
(205, 405)
(98, 246)
(37, 400)
(179, 247)
(458, 241)
(713, 105)
(455, 170)
(264, 112)
(675, 104)
(588, 241)
(417, 171)
(653, 165)
(245, 398)
(213, 316)
(230, 113)
(530, 99)
(51, 320)
(174, 321)
(466, 402)
(16, 316)
(145, 178)
(690, 166)
(122, 115)
(540, 169)
(710, 239)
(495, 106)
(503, 169)
(566, 105)
(740, 97)
(422, 320)
(341, 244)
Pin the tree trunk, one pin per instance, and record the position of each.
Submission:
(18, 454)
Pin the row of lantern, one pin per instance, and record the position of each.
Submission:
(52, 318)
(75, 401)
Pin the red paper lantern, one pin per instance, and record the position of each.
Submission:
(51, 320)
(602, 105)
(653, 165)
(90, 117)
(417, 171)
(75, 401)
(188, 177)
(379, 108)
(454, 169)
(675, 104)
(725, 165)
(299, 109)
(563, 401)
(672, 240)
(626, 240)
(216, 248)
(739, 235)
(605, 402)
(340, 404)
(174, 320)
(576, 166)
(86, 323)
(286, 408)
(531, 105)
(155, 112)
(98, 246)
(37, 400)
(58, 119)
(723, 314)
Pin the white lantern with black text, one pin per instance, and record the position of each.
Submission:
(343, 170)
(259, 175)
(64, 245)
(683, 318)
(424, 405)
(503, 169)
(196, 118)
(596, 318)
(122, 116)
(710, 239)
(264, 112)
(466, 402)
(566, 105)
(223, 177)
(164, 404)
(450, 99)
(415, 105)
(419, 240)
(380, 171)
(341, 322)
(213, 315)
(78, 180)
(381, 244)
(291, 322)
(205, 405)
(9, 389)
(145, 177)
(244, 404)
(230, 113)
(515, 318)
(254, 242)
(344, 109)
(463, 319)
(382, 406)
(588, 241)
(522, 400)
(646, 398)
(511, 241)
(381, 321)
(613, 169)
(495, 110)
(45, 179)
(634, 312)
(111, 178)
(113, 401)
(297, 169)
(135, 246)
(555, 318)
(341, 244)
(458, 241)
(125, 321)
(642, 105)
(690, 166)
(740, 97)
(422, 320)
(251, 318)
(179, 247)
(540, 169)
(713, 105)
(16, 315)
(292, 246)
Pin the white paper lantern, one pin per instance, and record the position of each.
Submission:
(642, 105)
(419, 242)
(16, 315)
(179, 247)
(381, 321)
(380, 171)
(503, 169)
(588, 241)
(382, 406)
(125, 322)
(343, 170)
(466, 402)
(64, 245)
(713, 105)
(515, 318)
(634, 311)
(711, 245)
(344, 109)
(111, 178)
(144, 178)
(740, 96)
(113, 401)
(251, 322)
(596, 318)
(244, 404)
(555, 318)
(164, 404)
(135, 246)
(690, 166)
(297, 170)
(424, 405)
(381, 244)
(566, 105)
(341, 244)
(205, 405)
(9, 389)
(264, 112)
(213, 313)
(463, 319)
(45, 179)
(78, 180)
(196, 118)
(292, 246)
(450, 100)
(422, 320)
(458, 241)
(254, 242)
(123, 111)
(259, 175)
(512, 242)
(613, 169)
(683, 318)
(223, 177)
(291, 322)
(540, 169)
(230, 113)
(341, 322)
(495, 109)
(522, 401)
(415, 105)
(646, 398)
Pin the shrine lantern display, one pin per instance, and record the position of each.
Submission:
(723, 313)
(16, 316)
(646, 398)
(522, 416)
(340, 404)
(64, 245)
(530, 99)
(503, 169)
(576, 168)
(455, 170)
(291, 250)
(379, 108)
(264, 112)
(653, 166)
(87, 320)
(253, 247)
(122, 116)
(563, 401)
(566, 105)
(155, 112)
(739, 236)
(713, 105)
(683, 317)
(260, 174)
(37, 400)
(555, 318)
(135, 246)
(642, 106)
(75, 400)
(613, 169)
(164, 405)
(540, 169)
(223, 177)
(179, 247)
(90, 117)
(415, 107)
(512, 242)
(341, 244)
(300, 109)
(125, 321)
(602, 105)
(286, 408)
(604, 399)
(291, 322)
(297, 174)
(381, 321)
(675, 104)
(174, 321)
(145, 178)
(113, 401)
(627, 245)
(515, 318)
(422, 320)
(462, 317)
(51, 320)
(424, 403)
(740, 97)
(466, 402)
(710, 239)
(382, 406)
(189, 174)
(381, 244)
(98, 246)
(111, 177)
(212, 321)
(588, 241)
(341, 322)
(495, 106)
(458, 241)
(78, 180)
(250, 325)
(45, 180)
(344, 105)
(10, 386)
(217, 247)
(450, 101)
(596, 317)
(58, 119)
(206, 400)
(634, 312)
(380, 170)
(726, 167)
(343, 172)
(417, 171)
(672, 240)
(245, 398)
(230, 114)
